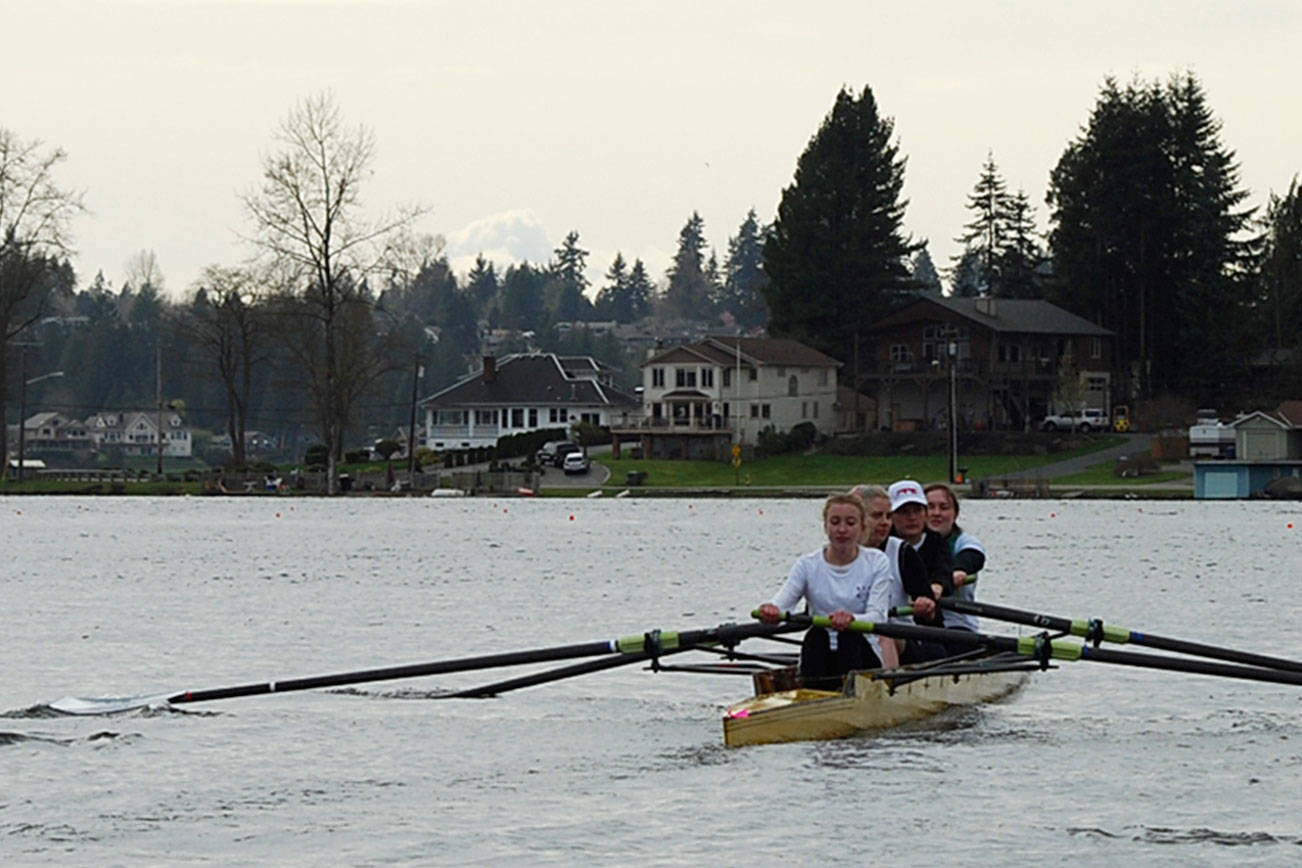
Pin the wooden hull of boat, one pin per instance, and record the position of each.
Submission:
(868, 702)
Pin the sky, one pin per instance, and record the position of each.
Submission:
(515, 123)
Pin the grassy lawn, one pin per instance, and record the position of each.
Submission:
(1104, 473)
(826, 470)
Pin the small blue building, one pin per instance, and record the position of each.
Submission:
(1268, 446)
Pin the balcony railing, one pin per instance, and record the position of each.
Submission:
(666, 425)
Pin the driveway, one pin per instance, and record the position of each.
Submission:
(1135, 444)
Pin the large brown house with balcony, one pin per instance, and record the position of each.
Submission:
(1007, 356)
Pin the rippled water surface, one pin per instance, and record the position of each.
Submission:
(119, 597)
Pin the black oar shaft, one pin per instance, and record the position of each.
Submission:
(1048, 649)
(414, 670)
(642, 646)
(1121, 635)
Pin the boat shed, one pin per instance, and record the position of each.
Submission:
(1268, 446)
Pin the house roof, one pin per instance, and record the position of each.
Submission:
(1010, 315)
(535, 379)
(1290, 412)
(723, 350)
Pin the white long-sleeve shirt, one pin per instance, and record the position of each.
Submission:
(862, 587)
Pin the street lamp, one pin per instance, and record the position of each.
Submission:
(22, 410)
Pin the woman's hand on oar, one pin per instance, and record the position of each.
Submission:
(1096, 631)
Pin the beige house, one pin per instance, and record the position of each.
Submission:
(699, 399)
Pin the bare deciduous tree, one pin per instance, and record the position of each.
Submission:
(308, 220)
(35, 214)
(225, 323)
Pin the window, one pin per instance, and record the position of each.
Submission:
(685, 378)
(707, 378)
(804, 410)
(485, 417)
(782, 372)
(793, 386)
(533, 417)
(517, 417)
(1010, 353)
(1096, 384)
(764, 410)
(727, 378)
(1096, 348)
(591, 418)
(754, 374)
(657, 378)
(822, 377)
(900, 353)
(754, 411)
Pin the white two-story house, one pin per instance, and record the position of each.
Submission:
(523, 393)
(700, 399)
(137, 432)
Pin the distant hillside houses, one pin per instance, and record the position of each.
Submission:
(58, 438)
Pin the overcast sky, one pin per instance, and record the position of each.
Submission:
(516, 122)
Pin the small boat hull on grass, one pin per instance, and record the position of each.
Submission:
(869, 701)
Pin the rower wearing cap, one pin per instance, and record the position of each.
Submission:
(909, 523)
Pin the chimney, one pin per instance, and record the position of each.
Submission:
(490, 369)
(986, 305)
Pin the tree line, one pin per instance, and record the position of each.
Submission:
(336, 311)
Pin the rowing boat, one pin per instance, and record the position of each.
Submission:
(871, 700)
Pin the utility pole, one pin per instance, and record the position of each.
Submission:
(416, 372)
(158, 394)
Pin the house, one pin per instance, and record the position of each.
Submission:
(520, 393)
(54, 434)
(1267, 448)
(1008, 358)
(136, 432)
(700, 398)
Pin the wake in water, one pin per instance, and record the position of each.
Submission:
(8, 739)
(94, 707)
(407, 693)
(1165, 835)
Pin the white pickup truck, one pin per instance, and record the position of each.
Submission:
(1084, 421)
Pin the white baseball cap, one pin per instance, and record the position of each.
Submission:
(906, 491)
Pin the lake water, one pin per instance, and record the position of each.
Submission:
(128, 596)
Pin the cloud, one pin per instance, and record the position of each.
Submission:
(503, 238)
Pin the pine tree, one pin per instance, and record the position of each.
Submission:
(1144, 224)
(837, 258)
(641, 292)
(1279, 273)
(688, 294)
(1020, 258)
(924, 274)
(986, 235)
(614, 301)
(743, 274)
(482, 285)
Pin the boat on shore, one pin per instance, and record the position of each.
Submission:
(781, 710)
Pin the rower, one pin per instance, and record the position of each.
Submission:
(909, 523)
(908, 578)
(967, 551)
(844, 581)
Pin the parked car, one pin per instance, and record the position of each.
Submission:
(575, 463)
(1084, 421)
(553, 452)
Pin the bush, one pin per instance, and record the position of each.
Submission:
(517, 445)
(587, 434)
(316, 455)
(357, 456)
(386, 449)
(801, 437)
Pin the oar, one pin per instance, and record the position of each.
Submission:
(1044, 649)
(641, 646)
(1095, 631)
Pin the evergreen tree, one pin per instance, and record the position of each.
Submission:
(641, 292)
(986, 234)
(1143, 238)
(743, 274)
(522, 298)
(965, 277)
(688, 294)
(924, 275)
(482, 285)
(614, 301)
(1279, 272)
(1020, 258)
(567, 301)
(837, 257)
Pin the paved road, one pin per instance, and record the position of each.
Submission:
(1135, 444)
